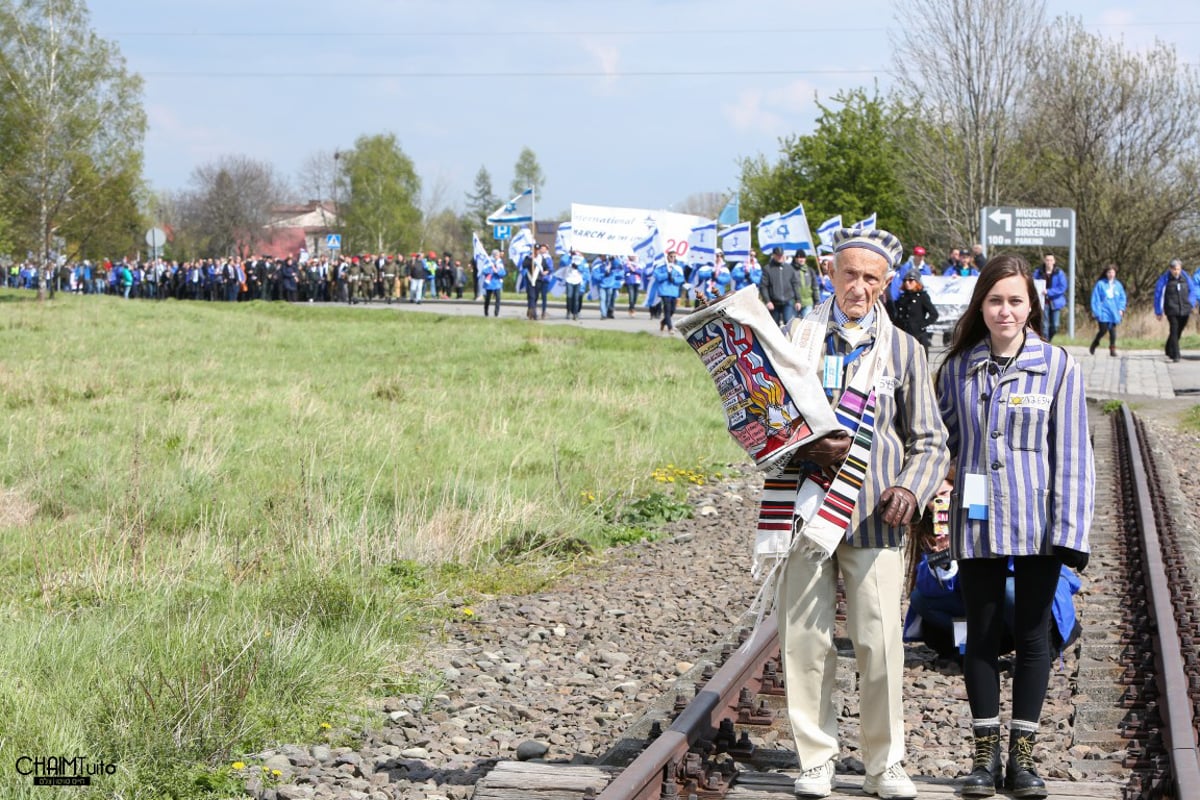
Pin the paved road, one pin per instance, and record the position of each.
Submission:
(1131, 375)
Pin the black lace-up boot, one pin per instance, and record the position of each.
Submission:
(985, 777)
(1022, 778)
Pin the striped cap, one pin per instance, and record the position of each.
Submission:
(873, 239)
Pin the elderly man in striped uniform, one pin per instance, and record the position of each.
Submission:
(850, 495)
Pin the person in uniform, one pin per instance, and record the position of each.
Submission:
(1023, 491)
(848, 496)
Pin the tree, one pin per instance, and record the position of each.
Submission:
(481, 202)
(703, 204)
(1113, 135)
(846, 166)
(229, 207)
(959, 73)
(379, 191)
(71, 123)
(527, 173)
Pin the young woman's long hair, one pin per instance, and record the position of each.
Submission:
(971, 329)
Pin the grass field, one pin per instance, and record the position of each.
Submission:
(226, 526)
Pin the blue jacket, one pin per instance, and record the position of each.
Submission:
(669, 278)
(1108, 301)
(1160, 291)
(931, 584)
(493, 276)
(1056, 287)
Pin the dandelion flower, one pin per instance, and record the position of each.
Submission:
(239, 765)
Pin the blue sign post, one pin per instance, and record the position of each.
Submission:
(502, 232)
(333, 241)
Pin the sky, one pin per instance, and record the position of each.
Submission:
(637, 103)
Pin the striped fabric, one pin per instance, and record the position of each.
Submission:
(908, 445)
(1026, 431)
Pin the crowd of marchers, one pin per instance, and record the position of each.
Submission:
(793, 284)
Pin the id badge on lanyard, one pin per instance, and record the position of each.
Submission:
(834, 366)
(974, 496)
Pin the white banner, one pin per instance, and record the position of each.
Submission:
(951, 296)
(610, 230)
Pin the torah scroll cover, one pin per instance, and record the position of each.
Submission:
(772, 402)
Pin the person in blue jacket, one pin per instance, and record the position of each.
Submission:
(633, 281)
(1055, 299)
(935, 602)
(607, 275)
(1108, 307)
(1175, 295)
(491, 276)
(669, 279)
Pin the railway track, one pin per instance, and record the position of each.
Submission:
(1135, 683)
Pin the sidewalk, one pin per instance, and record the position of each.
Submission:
(1130, 375)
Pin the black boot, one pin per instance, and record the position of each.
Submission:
(985, 777)
(1022, 779)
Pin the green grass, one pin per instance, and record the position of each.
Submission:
(228, 526)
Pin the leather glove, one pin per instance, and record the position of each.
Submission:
(828, 451)
(1074, 559)
(897, 505)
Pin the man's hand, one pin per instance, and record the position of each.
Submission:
(897, 505)
(828, 451)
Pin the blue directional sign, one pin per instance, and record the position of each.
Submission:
(333, 241)
(501, 232)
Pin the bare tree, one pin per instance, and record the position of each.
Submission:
(960, 72)
(230, 204)
(318, 175)
(703, 204)
(1112, 133)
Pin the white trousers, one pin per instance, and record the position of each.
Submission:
(807, 600)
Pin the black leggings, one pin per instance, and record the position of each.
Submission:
(1106, 327)
(982, 581)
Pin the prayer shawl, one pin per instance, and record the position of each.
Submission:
(788, 493)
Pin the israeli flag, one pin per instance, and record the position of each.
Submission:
(702, 242)
(650, 251)
(562, 241)
(867, 224)
(517, 211)
(482, 259)
(793, 228)
(520, 246)
(735, 241)
(825, 230)
(769, 234)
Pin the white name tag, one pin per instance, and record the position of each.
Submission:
(885, 386)
(1038, 402)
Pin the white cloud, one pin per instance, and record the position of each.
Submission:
(607, 57)
(772, 111)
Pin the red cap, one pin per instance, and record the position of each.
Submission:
(918, 251)
(432, 254)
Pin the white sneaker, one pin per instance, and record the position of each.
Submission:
(816, 782)
(893, 784)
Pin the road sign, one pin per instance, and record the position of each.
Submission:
(1008, 226)
(333, 241)
(156, 237)
(501, 232)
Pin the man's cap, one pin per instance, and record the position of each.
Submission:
(776, 251)
(873, 239)
(918, 251)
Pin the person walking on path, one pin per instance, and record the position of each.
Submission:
(1056, 295)
(1108, 307)
(1175, 295)
(1024, 488)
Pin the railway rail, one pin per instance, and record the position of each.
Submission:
(1136, 683)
